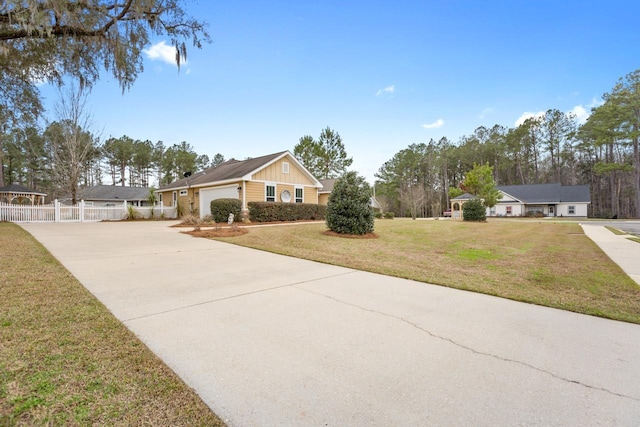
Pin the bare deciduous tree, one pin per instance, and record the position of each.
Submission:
(70, 140)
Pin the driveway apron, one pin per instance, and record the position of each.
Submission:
(269, 340)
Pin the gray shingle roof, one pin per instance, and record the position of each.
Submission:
(548, 193)
(17, 188)
(327, 185)
(231, 169)
(111, 193)
(465, 196)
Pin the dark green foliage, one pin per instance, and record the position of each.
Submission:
(270, 211)
(389, 215)
(474, 210)
(377, 215)
(221, 208)
(348, 210)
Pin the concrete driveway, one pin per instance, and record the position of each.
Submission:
(268, 340)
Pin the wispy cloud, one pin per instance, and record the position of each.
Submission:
(162, 52)
(527, 115)
(388, 89)
(437, 124)
(580, 112)
(484, 112)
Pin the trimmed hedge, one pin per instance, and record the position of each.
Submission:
(278, 211)
(221, 208)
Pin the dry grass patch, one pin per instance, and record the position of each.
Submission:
(546, 263)
(65, 360)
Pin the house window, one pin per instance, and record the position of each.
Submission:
(183, 192)
(508, 210)
(270, 190)
(285, 167)
(572, 210)
(299, 194)
(160, 198)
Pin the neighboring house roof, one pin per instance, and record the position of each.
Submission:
(111, 193)
(548, 193)
(17, 188)
(327, 185)
(234, 170)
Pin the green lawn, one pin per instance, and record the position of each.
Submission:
(65, 360)
(541, 262)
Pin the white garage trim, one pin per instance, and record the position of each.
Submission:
(209, 194)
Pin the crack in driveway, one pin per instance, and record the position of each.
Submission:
(238, 296)
(470, 349)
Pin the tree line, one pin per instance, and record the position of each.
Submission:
(553, 148)
(64, 155)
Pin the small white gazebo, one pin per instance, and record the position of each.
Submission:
(19, 195)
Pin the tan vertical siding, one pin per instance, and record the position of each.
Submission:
(255, 191)
(311, 195)
(323, 199)
(274, 173)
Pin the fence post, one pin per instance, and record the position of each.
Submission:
(124, 207)
(56, 210)
(81, 210)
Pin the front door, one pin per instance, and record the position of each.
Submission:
(552, 210)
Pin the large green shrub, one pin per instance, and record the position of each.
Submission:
(277, 211)
(221, 208)
(474, 210)
(348, 209)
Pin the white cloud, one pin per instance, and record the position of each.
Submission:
(484, 112)
(437, 124)
(388, 89)
(595, 103)
(161, 52)
(528, 115)
(581, 114)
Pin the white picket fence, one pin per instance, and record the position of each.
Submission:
(82, 212)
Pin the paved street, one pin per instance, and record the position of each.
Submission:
(271, 340)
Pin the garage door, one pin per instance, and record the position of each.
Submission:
(207, 195)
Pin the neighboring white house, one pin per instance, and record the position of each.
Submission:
(535, 199)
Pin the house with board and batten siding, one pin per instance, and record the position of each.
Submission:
(277, 177)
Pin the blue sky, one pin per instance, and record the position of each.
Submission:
(384, 74)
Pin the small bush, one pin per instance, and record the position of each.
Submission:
(377, 215)
(348, 210)
(132, 213)
(389, 215)
(190, 219)
(474, 210)
(221, 208)
(278, 211)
